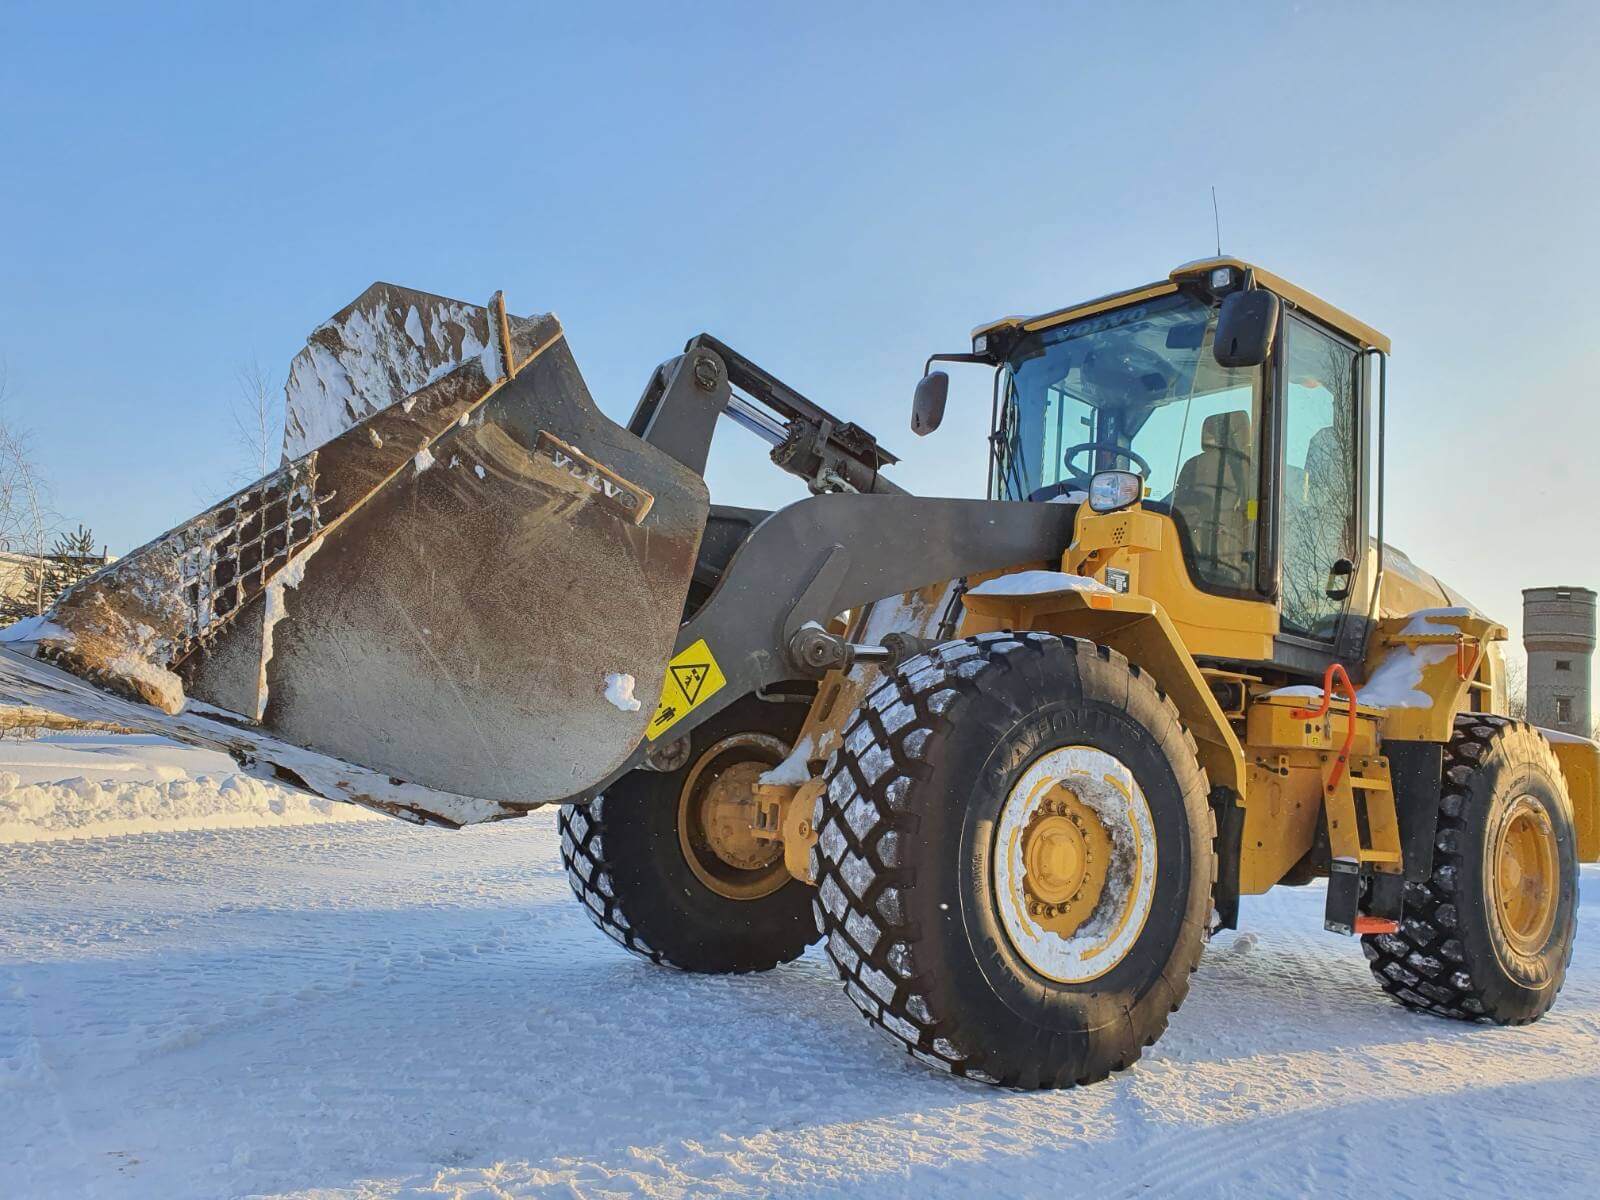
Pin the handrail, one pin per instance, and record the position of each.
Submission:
(1335, 673)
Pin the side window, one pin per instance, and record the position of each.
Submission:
(1319, 475)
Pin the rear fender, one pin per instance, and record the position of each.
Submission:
(1580, 763)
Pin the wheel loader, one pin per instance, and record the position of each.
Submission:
(1012, 759)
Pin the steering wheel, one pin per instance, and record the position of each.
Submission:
(1077, 473)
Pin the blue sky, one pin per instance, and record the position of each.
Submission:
(835, 189)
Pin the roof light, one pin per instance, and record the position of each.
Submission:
(980, 344)
(1221, 278)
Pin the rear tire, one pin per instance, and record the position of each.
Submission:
(628, 859)
(929, 919)
(1475, 943)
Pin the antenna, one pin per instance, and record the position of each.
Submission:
(1216, 219)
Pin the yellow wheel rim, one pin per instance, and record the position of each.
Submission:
(1525, 876)
(1074, 865)
(716, 819)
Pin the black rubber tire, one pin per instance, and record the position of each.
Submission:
(626, 865)
(903, 858)
(1450, 957)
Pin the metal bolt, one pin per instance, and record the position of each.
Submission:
(705, 374)
(668, 757)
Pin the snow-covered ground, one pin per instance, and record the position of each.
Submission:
(91, 784)
(370, 1010)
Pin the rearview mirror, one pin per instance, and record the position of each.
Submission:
(1245, 329)
(927, 407)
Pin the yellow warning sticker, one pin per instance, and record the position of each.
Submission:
(693, 677)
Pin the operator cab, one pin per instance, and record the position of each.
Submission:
(1259, 465)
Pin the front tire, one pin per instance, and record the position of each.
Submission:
(663, 877)
(1015, 859)
(1489, 935)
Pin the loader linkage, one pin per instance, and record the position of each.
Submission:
(487, 557)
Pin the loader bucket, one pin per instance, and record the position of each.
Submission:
(469, 579)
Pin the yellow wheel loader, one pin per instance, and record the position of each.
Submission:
(1013, 759)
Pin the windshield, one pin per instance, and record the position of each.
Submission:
(1137, 389)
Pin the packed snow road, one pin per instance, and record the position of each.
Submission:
(368, 1009)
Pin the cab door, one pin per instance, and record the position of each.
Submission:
(1319, 517)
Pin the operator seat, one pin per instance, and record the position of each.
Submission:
(1213, 493)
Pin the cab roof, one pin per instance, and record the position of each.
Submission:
(1364, 334)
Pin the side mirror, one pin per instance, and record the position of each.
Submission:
(927, 407)
(1245, 329)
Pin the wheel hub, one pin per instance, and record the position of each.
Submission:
(717, 819)
(1525, 875)
(1066, 853)
(1074, 863)
(728, 816)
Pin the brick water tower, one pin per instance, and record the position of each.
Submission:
(1558, 633)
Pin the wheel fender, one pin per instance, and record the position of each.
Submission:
(1140, 629)
(1580, 764)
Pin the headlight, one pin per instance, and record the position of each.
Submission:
(1111, 490)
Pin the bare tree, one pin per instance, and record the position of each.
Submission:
(25, 524)
(1516, 688)
(258, 422)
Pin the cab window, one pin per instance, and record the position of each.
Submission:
(1320, 440)
(1138, 389)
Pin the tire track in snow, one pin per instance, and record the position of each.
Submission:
(376, 1010)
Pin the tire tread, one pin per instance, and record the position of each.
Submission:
(1423, 966)
(863, 820)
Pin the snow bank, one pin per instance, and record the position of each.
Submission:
(76, 785)
(1037, 583)
(31, 629)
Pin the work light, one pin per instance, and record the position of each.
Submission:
(1111, 490)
